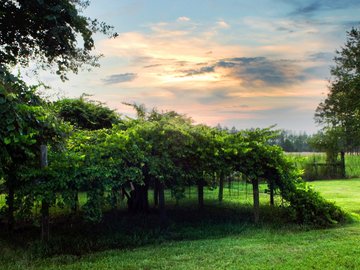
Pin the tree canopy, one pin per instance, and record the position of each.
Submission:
(341, 108)
(49, 33)
(84, 113)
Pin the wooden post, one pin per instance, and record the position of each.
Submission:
(156, 192)
(162, 211)
(255, 184)
(44, 204)
(229, 185)
(201, 193)
(221, 187)
(342, 156)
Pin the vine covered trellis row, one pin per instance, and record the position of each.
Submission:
(157, 151)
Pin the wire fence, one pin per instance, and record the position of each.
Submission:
(316, 167)
(235, 192)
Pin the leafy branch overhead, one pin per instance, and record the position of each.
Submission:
(49, 32)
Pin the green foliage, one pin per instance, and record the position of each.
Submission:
(159, 147)
(310, 208)
(86, 114)
(329, 140)
(27, 123)
(340, 110)
(49, 32)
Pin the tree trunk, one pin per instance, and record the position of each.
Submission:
(145, 197)
(162, 211)
(255, 184)
(138, 199)
(271, 186)
(221, 187)
(201, 193)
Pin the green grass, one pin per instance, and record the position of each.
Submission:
(225, 241)
(255, 248)
(346, 193)
(352, 165)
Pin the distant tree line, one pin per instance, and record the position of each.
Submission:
(288, 140)
(291, 141)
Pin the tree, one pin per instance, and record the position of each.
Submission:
(341, 108)
(330, 140)
(48, 32)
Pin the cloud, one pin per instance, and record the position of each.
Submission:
(153, 65)
(205, 75)
(264, 71)
(351, 23)
(321, 56)
(285, 29)
(213, 97)
(222, 24)
(255, 71)
(310, 8)
(202, 70)
(119, 78)
(183, 19)
(313, 7)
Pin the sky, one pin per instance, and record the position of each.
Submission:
(234, 63)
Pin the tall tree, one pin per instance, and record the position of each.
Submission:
(341, 108)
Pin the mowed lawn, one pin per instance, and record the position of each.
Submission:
(255, 247)
(346, 193)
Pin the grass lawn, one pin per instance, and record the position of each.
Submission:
(346, 193)
(229, 246)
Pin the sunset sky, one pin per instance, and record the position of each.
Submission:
(238, 63)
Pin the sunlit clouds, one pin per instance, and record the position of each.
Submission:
(235, 65)
(183, 19)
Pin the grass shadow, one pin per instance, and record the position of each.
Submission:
(122, 230)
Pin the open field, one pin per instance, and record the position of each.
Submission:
(225, 245)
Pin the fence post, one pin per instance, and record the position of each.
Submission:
(44, 204)
(221, 186)
(162, 210)
(342, 156)
(255, 184)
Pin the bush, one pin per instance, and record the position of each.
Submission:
(308, 207)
